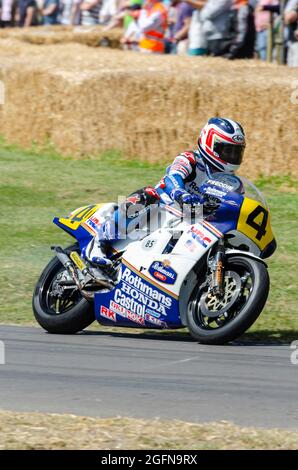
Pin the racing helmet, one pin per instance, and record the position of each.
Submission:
(222, 144)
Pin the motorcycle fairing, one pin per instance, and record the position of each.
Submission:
(76, 220)
(254, 222)
(83, 222)
(247, 216)
(127, 305)
(137, 301)
(226, 215)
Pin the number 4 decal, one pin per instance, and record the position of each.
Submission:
(79, 216)
(254, 222)
(261, 224)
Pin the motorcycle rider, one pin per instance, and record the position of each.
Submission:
(221, 148)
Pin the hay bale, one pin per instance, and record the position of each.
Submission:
(90, 35)
(88, 100)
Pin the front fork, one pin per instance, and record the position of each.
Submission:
(217, 266)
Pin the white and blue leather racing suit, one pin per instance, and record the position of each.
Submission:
(180, 184)
(183, 178)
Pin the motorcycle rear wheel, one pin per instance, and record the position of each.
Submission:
(69, 316)
(240, 314)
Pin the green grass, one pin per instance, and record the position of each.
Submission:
(36, 186)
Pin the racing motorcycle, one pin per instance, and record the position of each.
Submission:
(207, 274)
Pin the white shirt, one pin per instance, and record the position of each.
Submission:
(6, 12)
(292, 5)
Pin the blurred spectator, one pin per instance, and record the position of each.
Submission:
(197, 43)
(217, 25)
(170, 47)
(90, 12)
(50, 11)
(291, 20)
(108, 11)
(132, 12)
(228, 28)
(243, 45)
(6, 10)
(70, 12)
(117, 19)
(181, 26)
(152, 24)
(262, 23)
(27, 13)
(132, 34)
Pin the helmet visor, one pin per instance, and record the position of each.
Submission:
(229, 153)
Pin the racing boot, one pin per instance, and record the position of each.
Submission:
(95, 252)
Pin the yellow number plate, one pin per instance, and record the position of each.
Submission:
(254, 222)
(79, 216)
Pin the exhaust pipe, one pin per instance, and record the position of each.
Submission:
(75, 262)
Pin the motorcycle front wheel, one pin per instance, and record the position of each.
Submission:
(67, 314)
(218, 321)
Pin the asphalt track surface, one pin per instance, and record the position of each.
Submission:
(111, 374)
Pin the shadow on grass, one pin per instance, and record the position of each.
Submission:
(255, 338)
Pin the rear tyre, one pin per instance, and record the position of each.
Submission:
(68, 315)
(247, 286)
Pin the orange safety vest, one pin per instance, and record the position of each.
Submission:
(153, 40)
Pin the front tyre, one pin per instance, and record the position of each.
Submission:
(214, 321)
(62, 311)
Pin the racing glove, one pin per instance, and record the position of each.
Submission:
(183, 197)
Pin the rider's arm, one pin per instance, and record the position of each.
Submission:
(181, 169)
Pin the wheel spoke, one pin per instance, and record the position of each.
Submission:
(57, 306)
(58, 299)
(213, 312)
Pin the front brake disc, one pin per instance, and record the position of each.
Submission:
(212, 306)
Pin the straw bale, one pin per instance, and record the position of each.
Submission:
(90, 36)
(86, 101)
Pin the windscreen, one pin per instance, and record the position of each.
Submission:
(232, 183)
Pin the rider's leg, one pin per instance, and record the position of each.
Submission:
(95, 251)
(117, 227)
